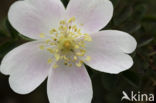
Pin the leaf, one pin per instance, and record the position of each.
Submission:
(149, 18)
(132, 78)
(139, 12)
(3, 29)
(131, 27)
(13, 32)
(146, 42)
(109, 81)
(6, 47)
(123, 16)
(2, 34)
(65, 2)
(91, 71)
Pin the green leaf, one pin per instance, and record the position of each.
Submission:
(65, 2)
(132, 78)
(149, 18)
(131, 27)
(123, 16)
(139, 12)
(146, 42)
(2, 34)
(109, 81)
(13, 32)
(6, 47)
(3, 29)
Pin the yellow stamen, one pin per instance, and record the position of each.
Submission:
(65, 63)
(62, 22)
(48, 40)
(50, 50)
(71, 20)
(42, 35)
(53, 31)
(66, 43)
(57, 57)
(81, 24)
(77, 47)
(79, 64)
(88, 58)
(55, 66)
(50, 60)
(70, 65)
(75, 57)
(42, 47)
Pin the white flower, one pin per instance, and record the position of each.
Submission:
(64, 39)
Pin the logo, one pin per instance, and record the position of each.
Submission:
(137, 97)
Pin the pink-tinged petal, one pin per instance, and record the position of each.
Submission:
(108, 51)
(93, 14)
(113, 40)
(69, 85)
(109, 62)
(32, 17)
(27, 66)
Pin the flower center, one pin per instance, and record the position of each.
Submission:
(66, 43)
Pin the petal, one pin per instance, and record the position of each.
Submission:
(113, 40)
(69, 85)
(109, 62)
(93, 14)
(108, 49)
(32, 17)
(27, 66)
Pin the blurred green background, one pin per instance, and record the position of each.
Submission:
(137, 17)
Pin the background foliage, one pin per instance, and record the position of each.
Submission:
(137, 17)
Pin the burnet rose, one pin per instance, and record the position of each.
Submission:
(65, 40)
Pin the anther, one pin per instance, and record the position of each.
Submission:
(49, 60)
(42, 35)
(42, 47)
(55, 66)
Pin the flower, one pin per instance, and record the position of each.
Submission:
(65, 39)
